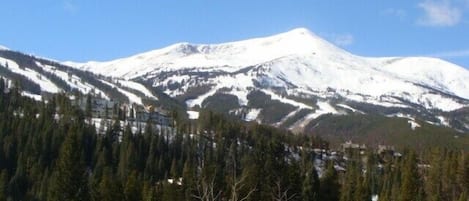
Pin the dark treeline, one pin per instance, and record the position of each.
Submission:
(49, 151)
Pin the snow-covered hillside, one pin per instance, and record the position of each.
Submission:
(42, 76)
(304, 60)
(298, 54)
(228, 57)
(288, 80)
(296, 65)
(44, 83)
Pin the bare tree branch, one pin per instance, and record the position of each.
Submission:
(238, 184)
(206, 190)
(281, 195)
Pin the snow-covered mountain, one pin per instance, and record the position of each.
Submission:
(288, 80)
(39, 77)
(300, 70)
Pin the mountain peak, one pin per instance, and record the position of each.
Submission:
(229, 57)
(296, 68)
(299, 35)
(305, 42)
(300, 31)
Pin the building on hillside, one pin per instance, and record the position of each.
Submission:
(154, 115)
(100, 108)
(349, 145)
(108, 109)
(383, 149)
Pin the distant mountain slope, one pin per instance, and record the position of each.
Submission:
(374, 130)
(287, 80)
(38, 76)
(299, 77)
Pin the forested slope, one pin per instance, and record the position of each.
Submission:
(49, 151)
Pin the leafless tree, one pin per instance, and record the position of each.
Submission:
(206, 187)
(237, 184)
(206, 190)
(280, 194)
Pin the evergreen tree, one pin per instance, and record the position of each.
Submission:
(433, 183)
(19, 183)
(188, 178)
(462, 172)
(69, 182)
(127, 154)
(2, 85)
(148, 192)
(174, 170)
(132, 189)
(410, 184)
(88, 107)
(3, 185)
(329, 188)
(363, 189)
(348, 191)
(310, 187)
(110, 189)
(171, 191)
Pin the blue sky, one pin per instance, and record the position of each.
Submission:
(82, 30)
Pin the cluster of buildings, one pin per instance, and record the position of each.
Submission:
(382, 150)
(109, 109)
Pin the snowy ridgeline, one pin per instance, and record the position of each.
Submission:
(298, 60)
(289, 68)
(294, 66)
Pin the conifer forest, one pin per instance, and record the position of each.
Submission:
(51, 151)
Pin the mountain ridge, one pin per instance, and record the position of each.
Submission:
(301, 40)
(297, 63)
(234, 54)
(288, 80)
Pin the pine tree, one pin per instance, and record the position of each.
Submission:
(311, 186)
(3, 185)
(70, 180)
(329, 188)
(188, 178)
(171, 192)
(433, 183)
(348, 191)
(18, 185)
(127, 155)
(174, 170)
(42, 193)
(363, 189)
(2, 85)
(410, 179)
(148, 192)
(133, 188)
(88, 107)
(462, 177)
(110, 189)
